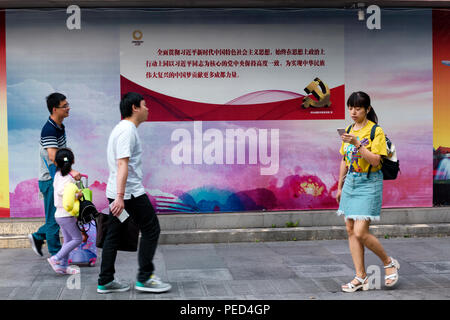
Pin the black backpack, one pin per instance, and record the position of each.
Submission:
(390, 165)
(88, 212)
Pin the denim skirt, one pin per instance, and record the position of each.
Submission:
(361, 197)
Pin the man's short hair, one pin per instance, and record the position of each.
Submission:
(127, 102)
(53, 100)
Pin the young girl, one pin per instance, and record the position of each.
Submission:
(72, 235)
(361, 195)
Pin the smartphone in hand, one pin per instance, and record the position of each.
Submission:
(123, 215)
(341, 131)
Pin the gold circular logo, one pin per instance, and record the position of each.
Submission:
(137, 35)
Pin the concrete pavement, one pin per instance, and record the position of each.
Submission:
(289, 270)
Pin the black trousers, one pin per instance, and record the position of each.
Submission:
(143, 214)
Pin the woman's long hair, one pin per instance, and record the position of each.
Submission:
(362, 99)
(64, 159)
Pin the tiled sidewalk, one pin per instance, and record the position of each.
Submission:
(257, 271)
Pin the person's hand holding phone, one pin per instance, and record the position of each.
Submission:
(350, 138)
(118, 209)
(117, 206)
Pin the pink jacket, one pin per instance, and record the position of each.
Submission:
(58, 186)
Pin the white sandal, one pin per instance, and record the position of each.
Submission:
(354, 287)
(394, 276)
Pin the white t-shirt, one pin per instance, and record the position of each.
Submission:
(124, 142)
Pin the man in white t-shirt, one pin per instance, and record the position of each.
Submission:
(126, 191)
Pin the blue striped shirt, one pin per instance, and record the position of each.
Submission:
(52, 136)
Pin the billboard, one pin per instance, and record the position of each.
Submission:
(244, 103)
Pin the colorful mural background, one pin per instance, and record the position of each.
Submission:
(393, 65)
(441, 98)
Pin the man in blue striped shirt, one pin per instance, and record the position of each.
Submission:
(53, 137)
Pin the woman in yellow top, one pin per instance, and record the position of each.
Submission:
(360, 197)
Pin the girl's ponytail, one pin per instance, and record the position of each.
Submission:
(64, 159)
(372, 116)
(66, 168)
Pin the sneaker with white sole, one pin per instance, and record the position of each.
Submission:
(72, 270)
(154, 284)
(113, 286)
(56, 265)
(36, 245)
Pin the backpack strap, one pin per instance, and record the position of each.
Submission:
(372, 132)
(349, 128)
(372, 136)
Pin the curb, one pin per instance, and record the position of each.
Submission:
(197, 236)
(263, 226)
(299, 233)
